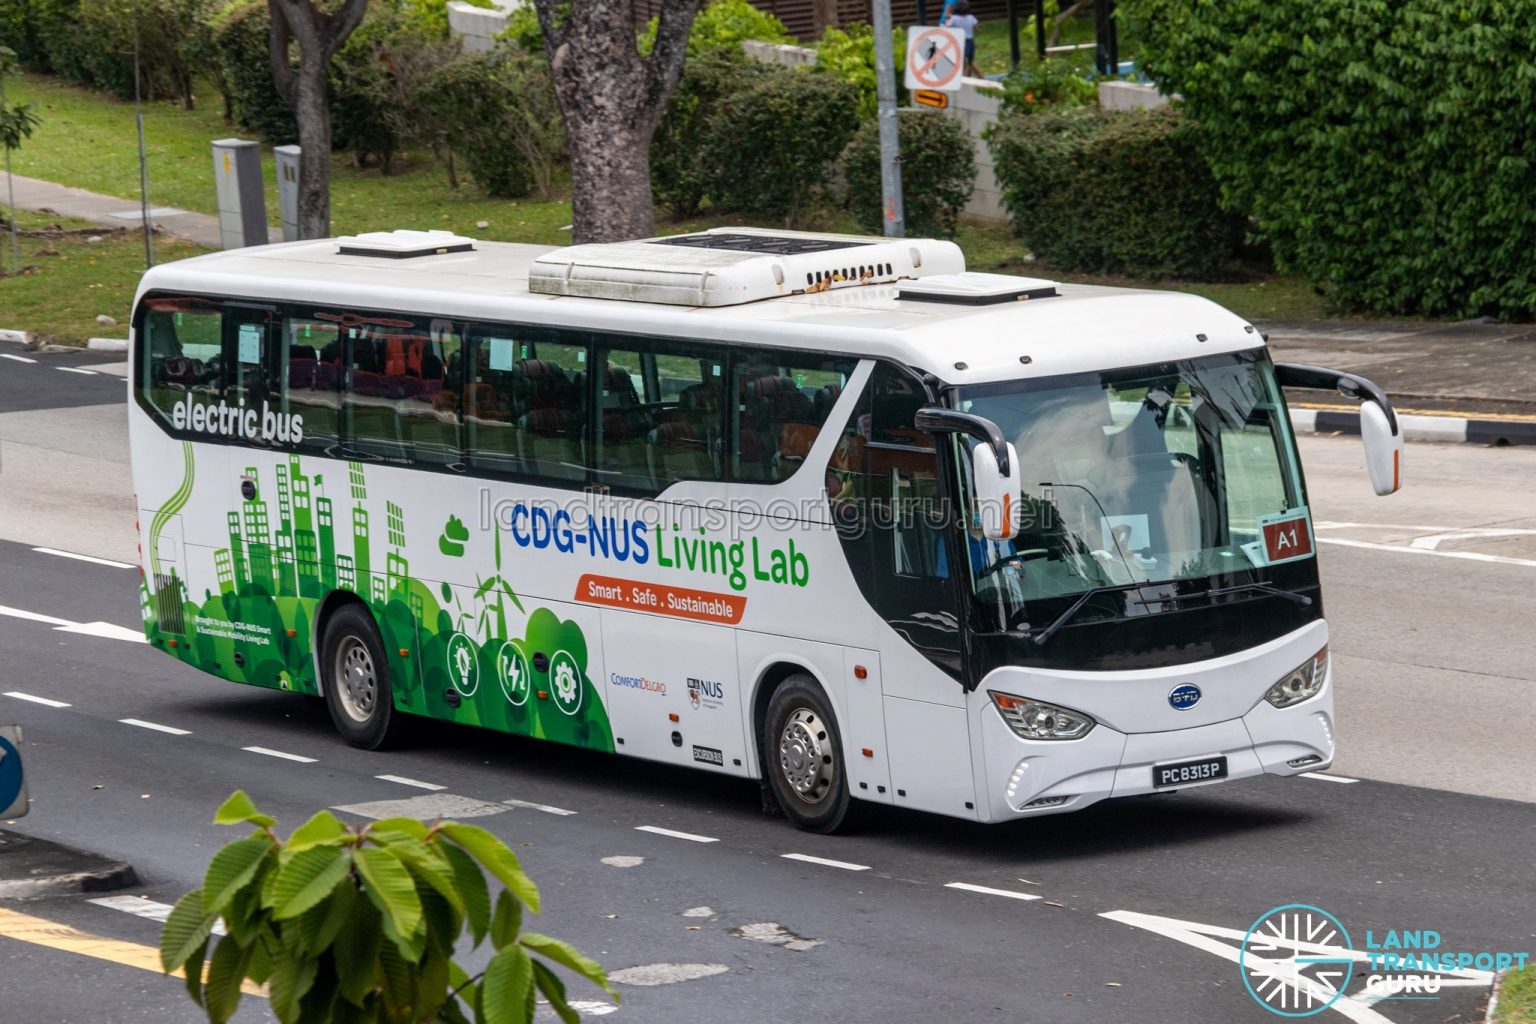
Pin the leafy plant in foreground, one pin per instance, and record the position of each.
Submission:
(359, 925)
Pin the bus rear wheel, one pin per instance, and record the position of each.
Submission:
(356, 677)
(803, 757)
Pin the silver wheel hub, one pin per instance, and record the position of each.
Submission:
(806, 757)
(356, 682)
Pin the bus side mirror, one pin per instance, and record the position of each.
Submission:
(1380, 429)
(1383, 448)
(994, 467)
(997, 492)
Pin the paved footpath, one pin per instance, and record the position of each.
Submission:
(110, 211)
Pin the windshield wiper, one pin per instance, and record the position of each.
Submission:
(1263, 588)
(1061, 620)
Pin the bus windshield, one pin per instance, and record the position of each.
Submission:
(1144, 475)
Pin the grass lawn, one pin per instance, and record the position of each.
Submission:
(67, 281)
(1517, 998)
(88, 140)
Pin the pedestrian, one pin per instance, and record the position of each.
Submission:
(960, 16)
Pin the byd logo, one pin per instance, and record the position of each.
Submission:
(1184, 697)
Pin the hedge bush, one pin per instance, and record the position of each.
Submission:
(778, 141)
(241, 50)
(475, 106)
(1114, 193)
(721, 27)
(1384, 147)
(684, 167)
(938, 172)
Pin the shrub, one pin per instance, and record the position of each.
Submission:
(432, 15)
(850, 55)
(240, 49)
(1118, 193)
(938, 172)
(777, 142)
(1048, 85)
(498, 112)
(362, 924)
(721, 27)
(684, 167)
(1384, 148)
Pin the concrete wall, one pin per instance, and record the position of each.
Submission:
(1130, 96)
(478, 27)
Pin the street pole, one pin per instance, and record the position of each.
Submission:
(10, 191)
(138, 108)
(890, 132)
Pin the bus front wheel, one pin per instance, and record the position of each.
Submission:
(357, 688)
(803, 757)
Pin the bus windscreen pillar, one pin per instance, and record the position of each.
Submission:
(287, 158)
(242, 203)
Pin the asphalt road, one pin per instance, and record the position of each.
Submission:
(1435, 719)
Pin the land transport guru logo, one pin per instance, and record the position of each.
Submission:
(1297, 960)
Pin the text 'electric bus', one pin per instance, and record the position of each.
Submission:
(824, 511)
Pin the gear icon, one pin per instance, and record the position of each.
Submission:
(567, 686)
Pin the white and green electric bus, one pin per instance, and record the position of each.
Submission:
(824, 511)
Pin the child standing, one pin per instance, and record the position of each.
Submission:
(960, 16)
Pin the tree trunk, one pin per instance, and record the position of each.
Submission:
(314, 117)
(319, 36)
(611, 99)
(823, 16)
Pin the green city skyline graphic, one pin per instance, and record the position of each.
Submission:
(270, 576)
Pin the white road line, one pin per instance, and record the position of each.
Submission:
(658, 830)
(17, 613)
(989, 891)
(410, 782)
(108, 630)
(807, 858)
(1471, 556)
(158, 728)
(546, 808)
(148, 909)
(279, 753)
(19, 359)
(85, 558)
(76, 369)
(37, 700)
(1328, 778)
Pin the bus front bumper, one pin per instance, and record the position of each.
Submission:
(1030, 777)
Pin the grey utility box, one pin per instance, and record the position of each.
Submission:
(242, 203)
(288, 189)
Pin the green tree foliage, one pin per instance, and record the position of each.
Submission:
(778, 141)
(938, 173)
(432, 15)
(684, 167)
(360, 925)
(497, 112)
(850, 55)
(17, 120)
(720, 29)
(1384, 146)
(1114, 193)
(239, 48)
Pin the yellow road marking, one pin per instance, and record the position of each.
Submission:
(53, 935)
(1513, 417)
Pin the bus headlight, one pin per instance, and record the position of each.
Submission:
(1301, 683)
(1037, 720)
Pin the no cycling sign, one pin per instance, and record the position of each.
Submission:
(935, 58)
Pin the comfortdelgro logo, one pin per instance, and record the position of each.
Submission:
(1297, 961)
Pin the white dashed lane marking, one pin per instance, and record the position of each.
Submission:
(824, 862)
(691, 837)
(989, 891)
(84, 558)
(76, 369)
(101, 629)
(46, 702)
(157, 728)
(19, 359)
(1328, 778)
(278, 753)
(402, 780)
(546, 808)
(147, 909)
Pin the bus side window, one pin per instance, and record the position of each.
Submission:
(902, 466)
(429, 406)
(660, 416)
(524, 401)
(312, 376)
(180, 353)
(779, 411)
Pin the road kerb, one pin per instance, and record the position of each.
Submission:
(32, 867)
